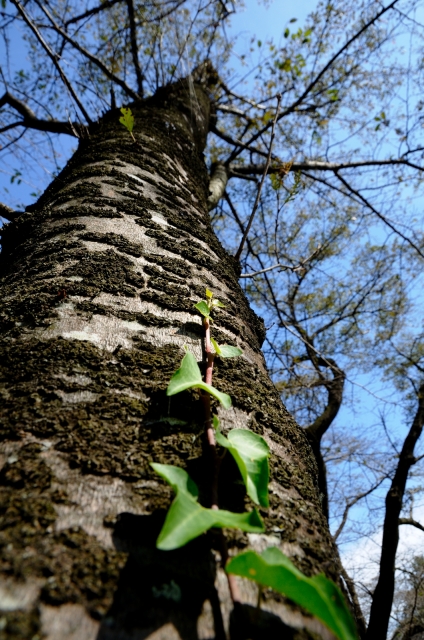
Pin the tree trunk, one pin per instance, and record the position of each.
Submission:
(99, 279)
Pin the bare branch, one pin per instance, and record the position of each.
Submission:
(252, 103)
(412, 522)
(217, 184)
(89, 55)
(53, 57)
(314, 82)
(379, 215)
(134, 47)
(319, 165)
(258, 195)
(6, 212)
(237, 143)
(352, 502)
(92, 12)
(233, 110)
(283, 267)
(30, 120)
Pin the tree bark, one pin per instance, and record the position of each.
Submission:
(98, 284)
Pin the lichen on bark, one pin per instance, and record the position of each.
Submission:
(99, 279)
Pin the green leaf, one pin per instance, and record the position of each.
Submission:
(226, 351)
(189, 376)
(217, 303)
(187, 519)
(216, 346)
(127, 119)
(203, 307)
(251, 454)
(177, 478)
(209, 294)
(318, 595)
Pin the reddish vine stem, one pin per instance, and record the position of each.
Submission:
(210, 357)
(216, 461)
(232, 580)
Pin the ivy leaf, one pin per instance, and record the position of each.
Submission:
(189, 376)
(177, 478)
(216, 347)
(203, 307)
(127, 119)
(226, 350)
(251, 454)
(318, 595)
(187, 519)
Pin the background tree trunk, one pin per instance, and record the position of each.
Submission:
(99, 281)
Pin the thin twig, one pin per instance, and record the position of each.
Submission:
(106, 4)
(293, 107)
(378, 214)
(258, 195)
(31, 121)
(89, 55)
(53, 57)
(352, 503)
(134, 47)
(283, 267)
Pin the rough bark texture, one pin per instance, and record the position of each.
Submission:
(99, 279)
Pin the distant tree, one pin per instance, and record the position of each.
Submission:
(410, 601)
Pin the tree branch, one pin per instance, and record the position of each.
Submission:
(412, 522)
(7, 212)
(96, 61)
(258, 195)
(30, 120)
(334, 389)
(92, 12)
(283, 267)
(378, 214)
(53, 58)
(352, 502)
(317, 78)
(134, 47)
(319, 165)
(237, 143)
(217, 184)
